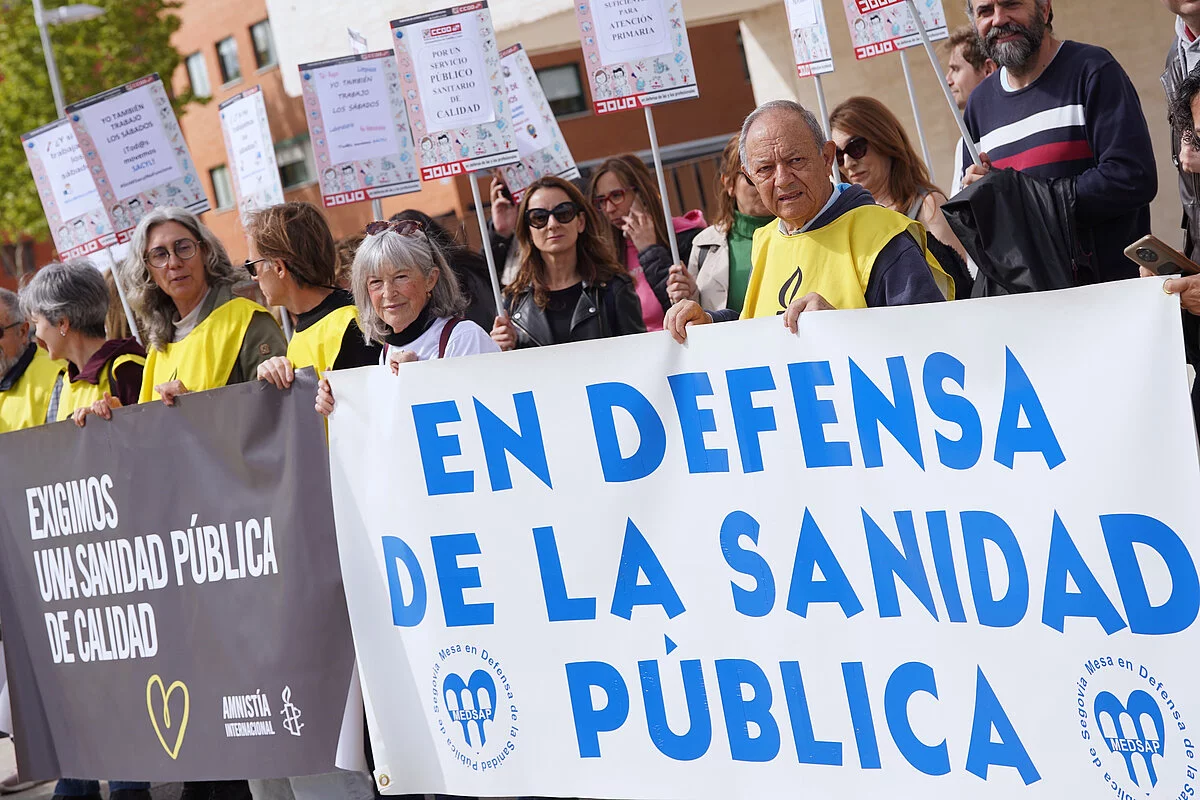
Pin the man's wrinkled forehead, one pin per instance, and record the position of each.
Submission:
(778, 133)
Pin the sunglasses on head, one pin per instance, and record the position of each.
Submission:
(540, 217)
(404, 227)
(856, 148)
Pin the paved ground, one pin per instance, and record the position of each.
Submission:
(8, 763)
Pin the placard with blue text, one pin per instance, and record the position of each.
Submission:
(940, 551)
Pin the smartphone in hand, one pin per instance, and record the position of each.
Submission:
(1159, 257)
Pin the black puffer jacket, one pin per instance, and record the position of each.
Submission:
(605, 309)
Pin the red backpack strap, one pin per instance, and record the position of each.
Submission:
(447, 329)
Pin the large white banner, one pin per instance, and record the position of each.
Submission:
(251, 151)
(940, 551)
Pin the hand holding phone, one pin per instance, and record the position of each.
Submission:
(1153, 254)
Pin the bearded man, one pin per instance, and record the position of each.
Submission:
(1063, 109)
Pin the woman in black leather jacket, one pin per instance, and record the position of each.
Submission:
(569, 287)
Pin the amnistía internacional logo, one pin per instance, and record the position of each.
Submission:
(474, 706)
(1134, 730)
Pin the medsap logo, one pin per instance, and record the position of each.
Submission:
(1135, 731)
(474, 707)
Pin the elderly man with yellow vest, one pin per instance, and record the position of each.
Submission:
(294, 260)
(832, 246)
(68, 304)
(27, 373)
(199, 335)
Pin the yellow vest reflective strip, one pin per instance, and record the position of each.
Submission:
(206, 356)
(835, 261)
(318, 345)
(77, 394)
(25, 405)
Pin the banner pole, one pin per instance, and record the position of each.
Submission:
(823, 107)
(941, 74)
(377, 209)
(912, 98)
(133, 328)
(487, 243)
(662, 183)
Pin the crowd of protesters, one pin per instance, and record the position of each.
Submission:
(588, 264)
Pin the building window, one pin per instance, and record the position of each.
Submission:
(563, 90)
(295, 161)
(198, 75)
(264, 47)
(227, 56)
(222, 187)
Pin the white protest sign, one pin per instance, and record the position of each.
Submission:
(251, 151)
(456, 97)
(136, 152)
(69, 198)
(810, 37)
(540, 141)
(885, 26)
(358, 130)
(636, 53)
(926, 551)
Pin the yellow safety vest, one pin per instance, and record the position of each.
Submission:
(205, 357)
(318, 345)
(25, 404)
(77, 394)
(835, 261)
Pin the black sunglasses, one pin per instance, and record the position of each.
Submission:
(404, 227)
(540, 217)
(856, 148)
(251, 268)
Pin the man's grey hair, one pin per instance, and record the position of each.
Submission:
(792, 107)
(74, 291)
(12, 304)
(384, 252)
(153, 308)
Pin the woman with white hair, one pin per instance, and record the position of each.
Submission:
(408, 301)
(199, 335)
(68, 305)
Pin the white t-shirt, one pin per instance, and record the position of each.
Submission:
(467, 339)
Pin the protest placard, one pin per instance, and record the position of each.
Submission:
(69, 198)
(636, 53)
(455, 93)
(173, 611)
(810, 37)
(885, 26)
(359, 133)
(540, 142)
(251, 151)
(132, 144)
(921, 551)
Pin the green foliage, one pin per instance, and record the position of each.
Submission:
(131, 40)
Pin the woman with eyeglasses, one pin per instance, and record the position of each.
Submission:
(874, 151)
(625, 192)
(408, 301)
(199, 336)
(718, 271)
(293, 259)
(569, 287)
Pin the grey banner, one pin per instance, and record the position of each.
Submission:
(171, 599)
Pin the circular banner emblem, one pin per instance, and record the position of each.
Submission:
(474, 706)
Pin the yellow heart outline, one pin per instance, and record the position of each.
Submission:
(166, 693)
